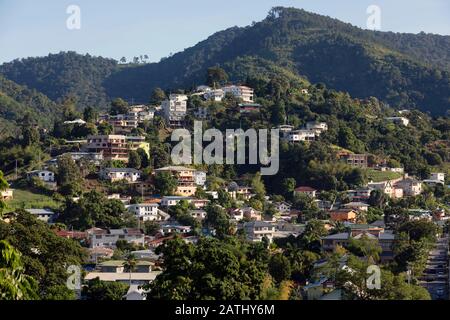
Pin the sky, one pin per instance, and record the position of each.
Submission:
(158, 28)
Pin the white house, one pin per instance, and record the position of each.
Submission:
(118, 174)
(170, 201)
(257, 230)
(198, 214)
(44, 215)
(44, 175)
(283, 207)
(108, 238)
(148, 212)
(437, 176)
(175, 109)
(200, 178)
(300, 135)
(215, 95)
(240, 92)
(399, 120)
(317, 127)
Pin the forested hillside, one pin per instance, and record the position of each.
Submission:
(404, 70)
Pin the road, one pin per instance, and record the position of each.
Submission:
(436, 275)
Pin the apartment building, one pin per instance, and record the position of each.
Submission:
(119, 174)
(175, 109)
(115, 147)
(148, 212)
(186, 179)
(255, 231)
(108, 238)
(240, 92)
(356, 160)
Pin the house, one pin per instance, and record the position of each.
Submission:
(200, 178)
(410, 186)
(311, 192)
(420, 214)
(358, 206)
(199, 203)
(108, 238)
(236, 214)
(147, 254)
(119, 174)
(78, 122)
(249, 107)
(385, 239)
(359, 195)
(175, 109)
(283, 207)
(115, 147)
(185, 177)
(135, 293)
(317, 127)
(244, 93)
(255, 231)
(343, 215)
(398, 120)
(148, 212)
(95, 158)
(98, 253)
(136, 278)
(174, 228)
(43, 175)
(198, 214)
(356, 160)
(44, 215)
(170, 201)
(214, 94)
(300, 135)
(437, 176)
(7, 194)
(388, 187)
(251, 214)
(433, 183)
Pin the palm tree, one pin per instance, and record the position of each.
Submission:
(130, 264)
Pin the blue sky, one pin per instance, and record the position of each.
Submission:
(157, 28)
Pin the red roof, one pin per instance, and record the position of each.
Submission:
(305, 189)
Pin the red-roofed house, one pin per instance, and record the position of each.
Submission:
(305, 190)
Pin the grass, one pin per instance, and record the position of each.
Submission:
(378, 176)
(24, 199)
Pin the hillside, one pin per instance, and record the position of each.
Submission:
(16, 101)
(62, 75)
(404, 70)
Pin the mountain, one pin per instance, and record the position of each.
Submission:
(62, 75)
(404, 70)
(16, 101)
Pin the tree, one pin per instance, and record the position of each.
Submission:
(165, 183)
(30, 131)
(130, 264)
(420, 229)
(93, 209)
(90, 115)
(14, 283)
(134, 160)
(279, 267)
(104, 291)
(258, 186)
(151, 228)
(211, 269)
(49, 267)
(216, 76)
(68, 176)
(3, 186)
(158, 96)
(289, 185)
(119, 106)
(217, 219)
